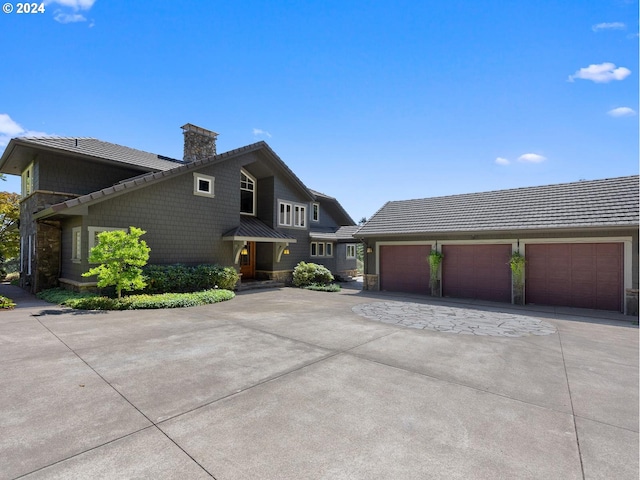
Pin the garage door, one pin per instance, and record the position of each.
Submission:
(404, 268)
(586, 275)
(477, 271)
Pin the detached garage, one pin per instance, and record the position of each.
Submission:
(579, 240)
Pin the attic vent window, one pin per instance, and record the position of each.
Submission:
(203, 185)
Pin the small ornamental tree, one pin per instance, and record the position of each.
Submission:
(121, 256)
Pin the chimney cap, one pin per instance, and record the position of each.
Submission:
(189, 127)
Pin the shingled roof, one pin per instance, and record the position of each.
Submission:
(102, 150)
(610, 202)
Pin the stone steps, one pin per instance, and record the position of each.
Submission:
(259, 284)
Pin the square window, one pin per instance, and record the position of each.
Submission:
(203, 185)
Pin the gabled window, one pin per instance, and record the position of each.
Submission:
(284, 214)
(247, 193)
(315, 212)
(27, 181)
(203, 185)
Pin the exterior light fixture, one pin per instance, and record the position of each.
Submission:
(244, 251)
(369, 250)
(286, 251)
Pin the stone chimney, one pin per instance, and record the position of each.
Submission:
(198, 143)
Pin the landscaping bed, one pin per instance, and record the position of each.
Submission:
(92, 301)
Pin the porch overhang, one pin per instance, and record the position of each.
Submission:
(253, 230)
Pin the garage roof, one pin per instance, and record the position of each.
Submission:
(596, 203)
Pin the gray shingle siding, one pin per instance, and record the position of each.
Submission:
(181, 227)
(71, 175)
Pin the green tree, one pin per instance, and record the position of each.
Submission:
(121, 256)
(9, 232)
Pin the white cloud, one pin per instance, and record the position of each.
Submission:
(258, 131)
(601, 73)
(608, 26)
(9, 129)
(75, 4)
(622, 112)
(62, 17)
(65, 16)
(8, 126)
(502, 161)
(531, 158)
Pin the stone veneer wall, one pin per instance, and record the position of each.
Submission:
(199, 145)
(46, 241)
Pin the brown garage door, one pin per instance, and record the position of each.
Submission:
(586, 275)
(477, 271)
(404, 268)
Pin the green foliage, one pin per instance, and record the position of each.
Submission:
(121, 256)
(306, 274)
(60, 295)
(184, 278)
(435, 259)
(88, 301)
(6, 303)
(332, 287)
(10, 277)
(9, 232)
(517, 263)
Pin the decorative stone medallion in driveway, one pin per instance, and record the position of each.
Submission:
(466, 321)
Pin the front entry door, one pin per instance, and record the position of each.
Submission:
(248, 261)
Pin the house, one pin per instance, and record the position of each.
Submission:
(579, 240)
(243, 208)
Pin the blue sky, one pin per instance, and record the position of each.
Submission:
(367, 101)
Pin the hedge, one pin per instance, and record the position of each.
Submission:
(135, 302)
(184, 278)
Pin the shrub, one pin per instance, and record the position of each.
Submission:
(84, 301)
(183, 278)
(11, 277)
(6, 303)
(121, 256)
(332, 287)
(306, 274)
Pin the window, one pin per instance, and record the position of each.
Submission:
(203, 185)
(247, 193)
(21, 254)
(300, 216)
(27, 181)
(94, 231)
(351, 250)
(321, 249)
(76, 244)
(284, 217)
(315, 215)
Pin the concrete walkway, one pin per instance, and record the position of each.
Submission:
(293, 384)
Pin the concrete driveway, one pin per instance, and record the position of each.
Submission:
(293, 384)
